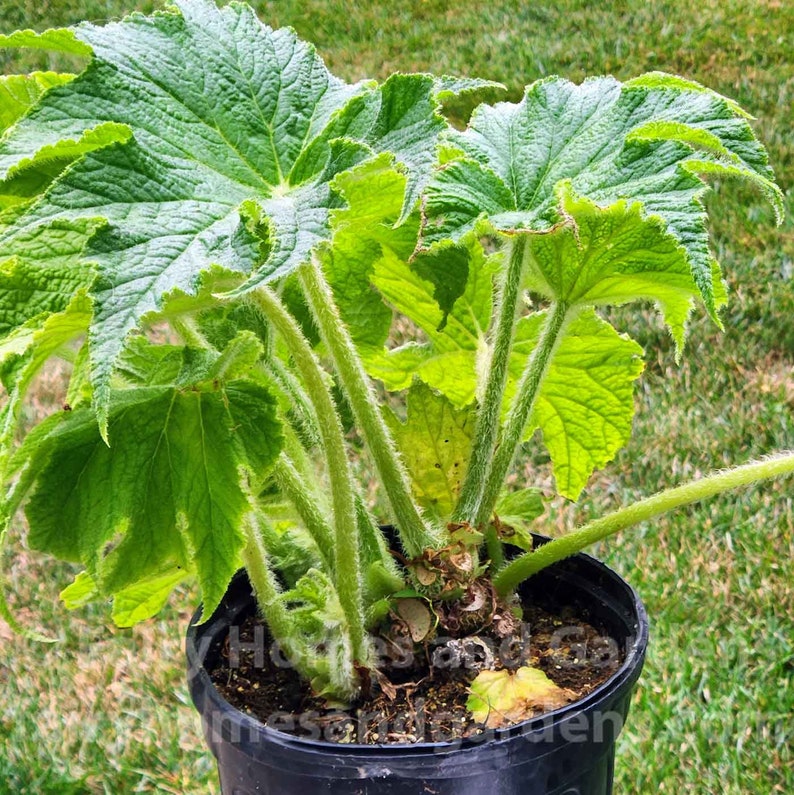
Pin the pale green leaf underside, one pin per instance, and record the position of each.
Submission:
(144, 599)
(645, 141)
(611, 256)
(374, 194)
(131, 605)
(456, 338)
(435, 441)
(586, 404)
(26, 351)
(18, 93)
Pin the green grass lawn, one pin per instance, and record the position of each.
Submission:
(106, 711)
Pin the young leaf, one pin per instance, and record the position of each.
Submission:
(144, 364)
(645, 141)
(238, 357)
(320, 636)
(435, 442)
(524, 505)
(500, 698)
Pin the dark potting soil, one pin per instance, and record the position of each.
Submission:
(420, 693)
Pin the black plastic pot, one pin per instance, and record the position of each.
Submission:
(570, 751)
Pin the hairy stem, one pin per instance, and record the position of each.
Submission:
(489, 414)
(305, 502)
(520, 411)
(414, 532)
(373, 543)
(496, 552)
(295, 450)
(302, 414)
(188, 331)
(528, 564)
(280, 622)
(266, 586)
(347, 570)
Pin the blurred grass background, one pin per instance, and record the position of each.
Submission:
(106, 710)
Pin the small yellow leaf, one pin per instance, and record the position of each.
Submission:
(500, 698)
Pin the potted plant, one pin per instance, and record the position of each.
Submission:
(274, 288)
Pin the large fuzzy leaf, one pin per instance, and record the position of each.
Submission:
(170, 492)
(206, 138)
(646, 141)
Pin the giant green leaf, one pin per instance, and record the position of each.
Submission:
(646, 141)
(234, 133)
(170, 491)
